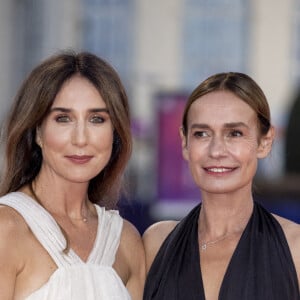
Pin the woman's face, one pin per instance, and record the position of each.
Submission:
(223, 144)
(76, 137)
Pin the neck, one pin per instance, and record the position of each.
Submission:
(223, 216)
(76, 211)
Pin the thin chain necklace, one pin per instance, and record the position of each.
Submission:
(239, 230)
(83, 218)
(203, 245)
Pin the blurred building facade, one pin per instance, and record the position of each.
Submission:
(161, 47)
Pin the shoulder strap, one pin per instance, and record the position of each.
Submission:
(43, 226)
(261, 266)
(175, 272)
(110, 226)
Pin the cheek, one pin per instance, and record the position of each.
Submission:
(54, 140)
(195, 154)
(198, 147)
(102, 139)
(192, 150)
(245, 152)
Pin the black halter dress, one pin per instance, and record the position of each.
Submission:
(261, 267)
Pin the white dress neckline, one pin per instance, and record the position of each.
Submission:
(74, 278)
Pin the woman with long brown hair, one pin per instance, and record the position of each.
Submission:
(67, 143)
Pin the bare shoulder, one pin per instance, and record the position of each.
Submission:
(290, 228)
(131, 241)
(158, 232)
(153, 238)
(12, 224)
(13, 231)
(130, 235)
(131, 238)
(292, 233)
(131, 267)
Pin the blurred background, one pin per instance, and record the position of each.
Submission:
(162, 51)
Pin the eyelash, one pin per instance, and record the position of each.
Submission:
(96, 119)
(62, 118)
(232, 133)
(200, 134)
(99, 119)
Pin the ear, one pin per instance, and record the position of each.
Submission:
(266, 143)
(184, 146)
(38, 138)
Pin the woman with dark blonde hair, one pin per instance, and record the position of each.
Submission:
(228, 247)
(67, 143)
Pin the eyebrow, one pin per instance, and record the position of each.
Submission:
(236, 124)
(68, 110)
(226, 125)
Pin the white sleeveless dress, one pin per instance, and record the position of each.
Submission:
(74, 279)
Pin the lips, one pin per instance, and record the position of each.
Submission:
(79, 159)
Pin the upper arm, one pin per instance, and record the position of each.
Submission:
(132, 252)
(153, 238)
(10, 258)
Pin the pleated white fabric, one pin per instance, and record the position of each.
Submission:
(74, 279)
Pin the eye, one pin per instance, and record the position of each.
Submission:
(62, 118)
(236, 133)
(97, 119)
(200, 133)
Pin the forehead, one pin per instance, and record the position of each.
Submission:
(220, 107)
(78, 91)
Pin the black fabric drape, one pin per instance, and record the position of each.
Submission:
(261, 267)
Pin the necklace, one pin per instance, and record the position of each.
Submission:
(203, 245)
(83, 218)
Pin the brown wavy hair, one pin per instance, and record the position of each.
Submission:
(23, 157)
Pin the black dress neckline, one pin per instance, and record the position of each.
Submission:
(261, 267)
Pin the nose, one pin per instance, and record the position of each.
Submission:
(217, 147)
(80, 134)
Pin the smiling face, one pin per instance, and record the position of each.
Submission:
(223, 143)
(76, 136)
